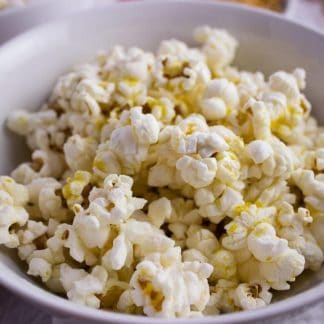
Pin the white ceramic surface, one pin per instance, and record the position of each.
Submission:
(30, 64)
(15, 20)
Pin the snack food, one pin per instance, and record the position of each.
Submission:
(170, 185)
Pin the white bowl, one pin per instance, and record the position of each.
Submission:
(15, 20)
(30, 64)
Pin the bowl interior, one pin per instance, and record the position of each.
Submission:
(15, 20)
(30, 64)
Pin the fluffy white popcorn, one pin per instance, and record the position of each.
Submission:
(33, 231)
(24, 251)
(287, 84)
(128, 145)
(178, 48)
(159, 211)
(238, 229)
(259, 151)
(164, 286)
(202, 240)
(317, 229)
(226, 201)
(197, 173)
(228, 168)
(48, 163)
(222, 298)
(75, 186)
(160, 175)
(40, 267)
(136, 239)
(12, 192)
(261, 117)
(219, 99)
(145, 126)
(169, 184)
(13, 198)
(224, 265)
(46, 194)
(251, 296)
(9, 216)
(264, 244)
(24, 174)
(295, 229)
(218, 46)
(114, 203)
(119, 255)
(146, 237)
(23, 123)
(83, 288)
(286, 268)
(312, 187)
(80, 152)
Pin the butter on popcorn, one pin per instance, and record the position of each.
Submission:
(169, 184)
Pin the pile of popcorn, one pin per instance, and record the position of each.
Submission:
(169, 185)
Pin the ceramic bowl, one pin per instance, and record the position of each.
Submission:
(30, 64)
(15, 20)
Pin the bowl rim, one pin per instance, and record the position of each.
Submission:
(28, 8)
(67, 308)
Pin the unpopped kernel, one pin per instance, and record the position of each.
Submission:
(169, 184)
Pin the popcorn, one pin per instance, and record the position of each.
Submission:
(197, 173)
(164, 286)
(317, 229)
(129, 144)
(295, 228)
(40, 267)
(169, 184)
(288, 266)
(261, 118)
(252, 296)
(119, 255)
(13, 198)
(114, 203)
(224, 265)
(286, 84)
(81, 287)
(33, 231)
(24, 251)
(48, 163)
(12, 193)
(218, 46)
(159, 211)
(9, 216)
(75, 187)
(45, 193)
(263, 243)
(220, 98)
(238, 229)
(221, 298)
(146, 237)
(259, 151)
(24, 174)
(80, 152)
